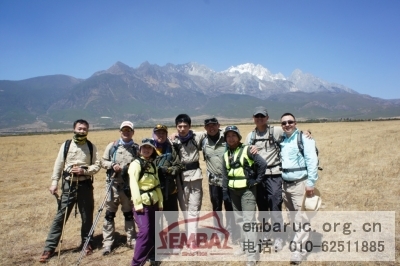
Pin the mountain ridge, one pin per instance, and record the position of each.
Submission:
(150, 92)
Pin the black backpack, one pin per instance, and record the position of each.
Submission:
(68, 143)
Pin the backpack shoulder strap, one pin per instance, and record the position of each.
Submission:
(203, 146)
(193, 140)
(143, 166)
(90, 145)
(253, 137)
(300, 144)
(68, 144)
(113, 150)
(66, 148)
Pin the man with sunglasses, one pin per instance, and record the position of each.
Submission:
(299, 173)
(116, 159)
(214, 147)
(265, 139)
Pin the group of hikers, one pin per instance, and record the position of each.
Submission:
(163, 173)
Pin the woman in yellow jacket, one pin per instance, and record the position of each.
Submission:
(147, 199)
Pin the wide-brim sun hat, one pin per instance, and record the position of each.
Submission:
(234, 129)
(148, 142)
(313, 203)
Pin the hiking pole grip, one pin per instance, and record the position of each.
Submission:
(96, 220)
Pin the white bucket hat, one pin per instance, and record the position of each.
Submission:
(313, 203)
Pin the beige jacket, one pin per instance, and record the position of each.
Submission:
(77, 155)
(188, 153)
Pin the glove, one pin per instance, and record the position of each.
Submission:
(251, 183)
(225, 195)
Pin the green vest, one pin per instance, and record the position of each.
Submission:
(237, 177)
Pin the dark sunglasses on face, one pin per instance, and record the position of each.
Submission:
(290, 122)
(259, 116)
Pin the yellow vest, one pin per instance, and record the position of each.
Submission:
(236, 174)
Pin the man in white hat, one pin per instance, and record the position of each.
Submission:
(117, 156)
(299, 174)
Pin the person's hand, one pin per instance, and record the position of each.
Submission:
(307, 133)
(117, 168)
(225, 195)
(251, 182)
(160, 209)
(139, 210)
(310, 192)
(173, 135)
(53, 189)
(77, 170)
(253, 149)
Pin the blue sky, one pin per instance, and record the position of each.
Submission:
(354, 43)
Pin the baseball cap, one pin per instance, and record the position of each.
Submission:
(126, 124)
(160, 127)
(210, 121)
(260, 110)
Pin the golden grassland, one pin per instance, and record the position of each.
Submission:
(361, 173)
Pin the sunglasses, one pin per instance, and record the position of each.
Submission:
(126, 129)
(148, 141)
(290, 122)
(259, 116)
(210, 120)
(161, 127)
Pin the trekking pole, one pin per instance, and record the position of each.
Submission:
(65, 216)
(96, 220)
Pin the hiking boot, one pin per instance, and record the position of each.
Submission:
(88, 250)
(296, 258)
(46, 255)
(106, 250)
(278, 244)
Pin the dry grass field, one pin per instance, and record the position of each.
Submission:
(361, 172)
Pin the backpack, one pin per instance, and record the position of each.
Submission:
(114, 148)
(178, 146)
(68, 143)
(271, 139)
(300, 145)
(125, 176)
(250, 171)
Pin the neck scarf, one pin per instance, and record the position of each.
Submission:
(214, 138)
(80, 138)
(187, 137)
(126, 144)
